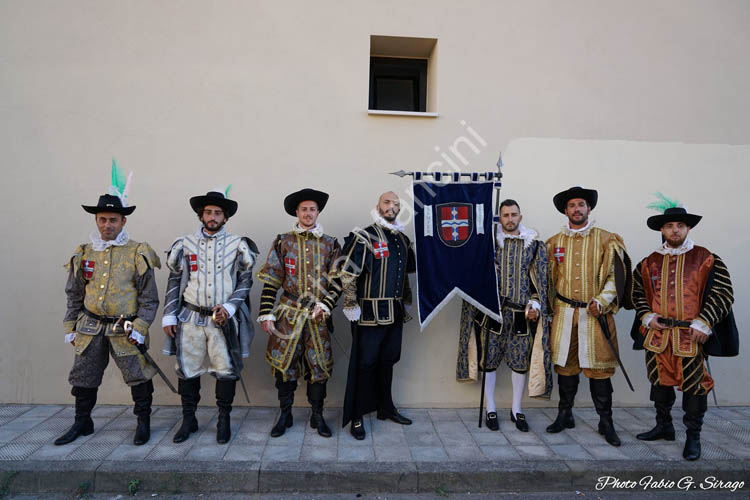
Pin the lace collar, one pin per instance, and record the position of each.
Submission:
(686, 246)
(316, 231)
(526, 234)
(98, 244)
(393, 226)
(583, 232)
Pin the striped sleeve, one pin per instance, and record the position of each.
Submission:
(267, 299)
(640, 302)
(719, 299)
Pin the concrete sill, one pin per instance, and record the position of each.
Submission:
(401, 113)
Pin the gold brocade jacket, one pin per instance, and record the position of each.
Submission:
(118, 280)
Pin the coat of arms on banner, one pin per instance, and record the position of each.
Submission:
(456, 223)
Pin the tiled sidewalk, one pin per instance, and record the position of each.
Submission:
(438, 436)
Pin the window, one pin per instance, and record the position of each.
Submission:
(398, 84)
(402, 76)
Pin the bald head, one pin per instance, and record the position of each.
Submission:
(389, 206)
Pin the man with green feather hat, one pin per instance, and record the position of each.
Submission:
(683, 298)
(112, 300)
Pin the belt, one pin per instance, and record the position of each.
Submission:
(574, 303)
(108, 319)
(671, 322)
(203, 311)
(512, 305)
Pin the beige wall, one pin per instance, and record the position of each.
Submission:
(630, 97)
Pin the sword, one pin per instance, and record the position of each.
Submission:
(231, 338)
(607, 335)
(128, 327)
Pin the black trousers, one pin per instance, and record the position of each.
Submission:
(378, 349)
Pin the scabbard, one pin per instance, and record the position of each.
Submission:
(608, 336)
(147, 356)
(233, 347)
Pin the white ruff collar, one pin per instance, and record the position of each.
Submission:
(584, 231)
(526, 234)
(316, 231)
(393, 226)
(686, 246)
(98, 244)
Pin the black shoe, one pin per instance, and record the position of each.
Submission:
(223, 429)
(520, 421)
(491, 421)
(395, 416)
(692, 449)
(607, 429)
(142, 431)
(317, 422)
(661, 431)
(358, 429)
(282, 424)
(82, 427)
(563, 421)
(189, 425)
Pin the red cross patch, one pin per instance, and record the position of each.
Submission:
(291, 265)
(654, 278)
(193, 262)
(380, 249)
(559, 254)
(88, 269)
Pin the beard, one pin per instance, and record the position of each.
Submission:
(213, 225)
(676, 241)
(510, 227)
(389, 216)
(578, 218)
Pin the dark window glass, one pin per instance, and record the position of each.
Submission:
(398, 84)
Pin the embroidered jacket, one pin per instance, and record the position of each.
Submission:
(116, 281)
(374, 273)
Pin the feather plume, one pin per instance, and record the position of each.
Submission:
(226, 191)
(663, 203)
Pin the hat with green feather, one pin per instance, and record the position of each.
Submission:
(671, 211)
(116, 199)
(218, 197)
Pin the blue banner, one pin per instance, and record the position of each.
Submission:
(455, 247)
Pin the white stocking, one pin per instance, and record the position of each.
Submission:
(489, 390)
(519, 385)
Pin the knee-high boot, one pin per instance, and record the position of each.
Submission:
(225, 390)
(316, 394)
(190, 393)
(663, 398)
(601, 394)
(568, 387)
(142, 399)
(83, 425)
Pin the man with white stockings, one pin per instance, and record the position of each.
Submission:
(521, 262)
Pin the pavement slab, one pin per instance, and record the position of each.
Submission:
(442, 451)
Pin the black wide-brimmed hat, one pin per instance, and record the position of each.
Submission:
(676, 214)
(561, 199)
(109, 203)
(214, 198)
(292, 201)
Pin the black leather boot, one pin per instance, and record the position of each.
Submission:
(567, 385)
(190, 393)
(601, 395)
(316, 394)
(663, 398)
(224, 397)
(694, 407)
(286, 400)
(142, 397)
(83, 425)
